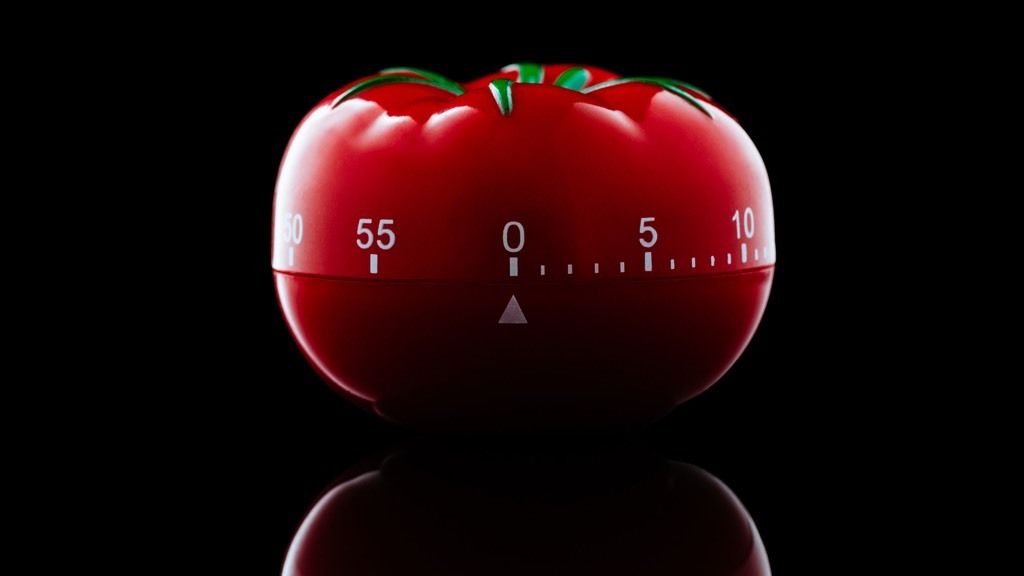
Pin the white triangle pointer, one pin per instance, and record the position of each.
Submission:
(513, 314)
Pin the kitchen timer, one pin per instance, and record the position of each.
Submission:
(545, 247)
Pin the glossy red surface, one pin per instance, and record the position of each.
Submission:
(595, 355)
(444, 510)
(634, 231)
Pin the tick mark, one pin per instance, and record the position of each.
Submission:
(541, 269)
(743, 253)
(622, 267)
(712, 260)
(373, 263)
(672, 264)
(648, 265)
(693, 262)
(728, 257)
(596, 268)
(513, 266)
(570, 269)
(291, 255)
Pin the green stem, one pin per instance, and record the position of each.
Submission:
(392, 79)
(663, 83)
(501, 89)
(686, 85)
(573, 78)
(529, 73)
(441, 81)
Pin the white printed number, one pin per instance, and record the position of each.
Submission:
(748, 222)
(645, 228)
(522, 237)
(290, 230)
(364, 235)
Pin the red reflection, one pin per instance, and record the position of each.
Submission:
(443, 509)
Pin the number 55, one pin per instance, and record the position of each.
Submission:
(382, 231)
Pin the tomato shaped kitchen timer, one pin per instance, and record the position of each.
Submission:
(546, 247)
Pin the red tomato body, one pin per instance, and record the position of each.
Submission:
(571, 260)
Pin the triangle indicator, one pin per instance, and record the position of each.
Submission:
(513, 314)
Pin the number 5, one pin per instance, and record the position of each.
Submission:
(644, 228)
(362, 229)
(382, 231)
(285, 230)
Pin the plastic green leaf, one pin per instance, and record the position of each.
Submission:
(573, 78)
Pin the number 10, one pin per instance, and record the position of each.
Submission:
(748, 222)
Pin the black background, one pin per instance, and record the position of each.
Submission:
(791, 428)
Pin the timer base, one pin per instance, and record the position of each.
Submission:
(592, 356)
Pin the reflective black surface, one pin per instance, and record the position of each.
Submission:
(457, 508)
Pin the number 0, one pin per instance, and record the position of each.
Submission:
(522, 237)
